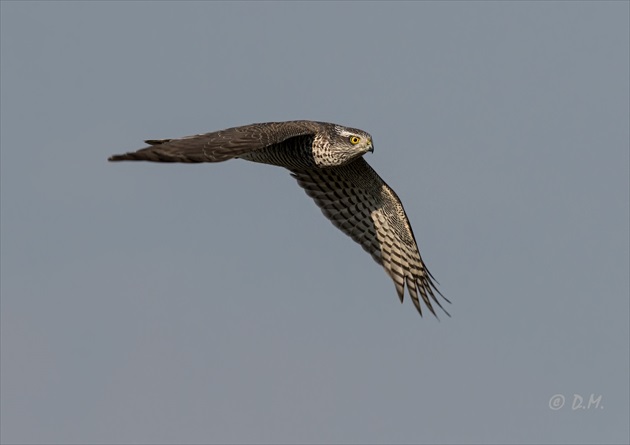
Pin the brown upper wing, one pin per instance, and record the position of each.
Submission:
(220, 145)
(364, 207)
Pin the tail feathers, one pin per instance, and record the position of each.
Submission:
(157, 141)
(160, 153)
(152, 155)
(136, 156)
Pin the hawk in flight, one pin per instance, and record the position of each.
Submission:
(327, 162)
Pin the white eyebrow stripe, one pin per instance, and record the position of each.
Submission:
(343, 132)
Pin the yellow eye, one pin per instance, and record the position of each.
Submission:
(354, 140)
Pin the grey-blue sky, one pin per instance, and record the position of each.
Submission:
(214, 303)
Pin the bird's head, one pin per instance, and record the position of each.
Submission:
(345, 144)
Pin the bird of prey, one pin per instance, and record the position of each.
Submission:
(327, 161)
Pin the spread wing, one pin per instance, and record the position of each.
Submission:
(359, 203)
(220, 145)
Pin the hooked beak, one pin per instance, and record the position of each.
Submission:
(371, 147)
